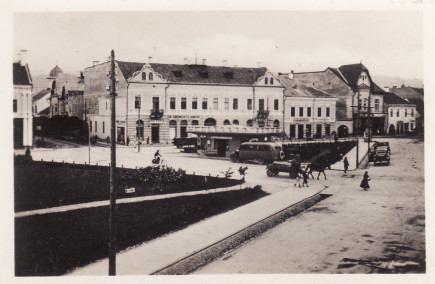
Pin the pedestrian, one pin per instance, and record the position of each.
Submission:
(365, 182)
(128, 141)
(148, 140)
(305, 176)
(298, 179)
(346, 164)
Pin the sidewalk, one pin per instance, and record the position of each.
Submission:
(351, 156)
(159, 253)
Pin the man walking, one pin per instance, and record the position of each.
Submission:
(346, 164)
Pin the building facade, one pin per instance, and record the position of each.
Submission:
(308, 112)
(401, 115)
(159, 102)
(22, 105)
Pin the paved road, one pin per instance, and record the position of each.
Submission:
(353, 231)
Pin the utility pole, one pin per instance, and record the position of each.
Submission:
(357, 132)
(138, 127)
(369, 126)
(112, 215)
(89, 133)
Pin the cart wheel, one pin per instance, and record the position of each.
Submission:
(269, 173)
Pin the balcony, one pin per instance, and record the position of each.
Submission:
(156, 113)
(233, 129)
(262, 115)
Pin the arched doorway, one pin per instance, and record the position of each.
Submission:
(235, 122)
(227, 122)
(249, 123)
(391, 130)
(210, 122)
(195, 122)
(342, 131)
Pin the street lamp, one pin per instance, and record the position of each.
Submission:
(138, 106)
(87, 118)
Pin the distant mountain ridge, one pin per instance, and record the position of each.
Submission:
(386, 81)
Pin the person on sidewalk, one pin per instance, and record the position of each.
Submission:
(365, 182)
(298, 179)
(305, 176)
(346, 164)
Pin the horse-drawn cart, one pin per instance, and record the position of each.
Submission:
(276, 167)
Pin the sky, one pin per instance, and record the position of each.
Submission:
(389, 43)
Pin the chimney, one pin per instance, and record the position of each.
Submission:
(204, 61)
(224, 62)
(150, 59)
(386, 89)
(290, 75)
(95, 62)
(186, 61)
(22, 57)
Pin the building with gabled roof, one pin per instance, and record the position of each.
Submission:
(353, 86)
(41, 103)
(22, 103)
(158, 102)
(402, 115)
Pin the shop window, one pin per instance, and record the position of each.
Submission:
(195, 122)
(210, 122)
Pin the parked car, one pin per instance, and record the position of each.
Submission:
(381, 155)
(261, 152)
(387, 144)
(276, 167)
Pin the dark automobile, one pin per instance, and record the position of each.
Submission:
(288, 167)
(381, 155)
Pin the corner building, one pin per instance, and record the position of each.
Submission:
(159, 102)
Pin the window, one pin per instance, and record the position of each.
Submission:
(327, 112)
(227, 103)
(195, 103)
(412, 112)
(319, 112)
(106, 105)
(215, 103)
(136, 103)
(271, 81)
(301, 111)
(391, 113)
(249, 103)
(309, 111)
(412, 126)
(55, 109)
(104, 127)
(144, 76)
(276, 104)
(156, 104)
(261, 104)
(377, 105)
(195, 122)
(183, 103)
(90, 125)
(139, 128)
(327, 130)
(36, 109)
(235, 122)
(15, 105)
(266, 81)
(150, 76)
(96, 126)
(204, 103)
(276, 123)
(227, 122)
(293, 111)
(406, 113)
(235, 103)
(397, 114)
(249, 123)
(172, 103)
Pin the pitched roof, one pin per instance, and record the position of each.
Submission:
(21, 74)
(351, 72)
(393, 99)
(201, 74)
(293, 89)
(40, 95)
(409, 92)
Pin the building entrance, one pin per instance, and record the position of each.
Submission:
(155, 134)
(300, 131)
(221, 145)
(120, 135)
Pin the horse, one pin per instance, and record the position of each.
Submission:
(316, 167)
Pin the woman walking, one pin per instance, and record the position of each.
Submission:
(365, 182)
(346, 164)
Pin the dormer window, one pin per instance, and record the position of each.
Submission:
(150, 76)
(266, 81)
(144, 76)
(271, 81)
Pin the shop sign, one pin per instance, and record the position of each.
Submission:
(183, 116)
(157, 122)
(301, 119)
(221, 137)
(120, 121)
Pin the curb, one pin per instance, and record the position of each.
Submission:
(204, 256)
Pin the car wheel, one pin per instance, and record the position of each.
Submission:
(269, 173)
(275, 173)
(260, 161)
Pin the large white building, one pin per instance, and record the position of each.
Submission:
(158, 102)
(22, 103)
(401, 115)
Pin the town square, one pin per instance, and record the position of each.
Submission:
(217, 147)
